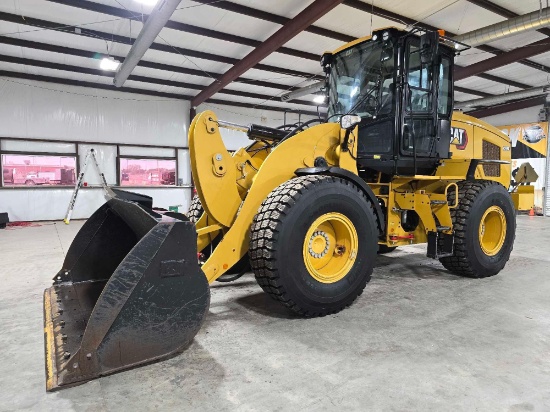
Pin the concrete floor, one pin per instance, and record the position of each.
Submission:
(418, 338)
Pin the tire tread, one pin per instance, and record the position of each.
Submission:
(468, 193)
(265, 230)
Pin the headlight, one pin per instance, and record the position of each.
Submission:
(374, 37)
(385, 36)
(349, 121)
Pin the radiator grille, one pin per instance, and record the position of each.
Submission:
(491, 151)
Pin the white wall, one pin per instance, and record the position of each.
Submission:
(51, 204)
(233, 139)
(34, 110)
(49, 111)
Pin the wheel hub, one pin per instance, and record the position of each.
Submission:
(330, 247)
(319, 244)
(492, 230)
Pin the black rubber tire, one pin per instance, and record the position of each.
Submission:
(240, 268)
(277, 236)
(383, 249)
(475, 197)
(195, 209)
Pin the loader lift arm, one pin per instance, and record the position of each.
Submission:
(219, 192)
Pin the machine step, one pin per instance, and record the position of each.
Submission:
(439, 202)
(443, 228)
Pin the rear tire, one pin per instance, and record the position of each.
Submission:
(284, 244)
(481, 250)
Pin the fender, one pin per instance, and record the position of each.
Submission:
(360, 183)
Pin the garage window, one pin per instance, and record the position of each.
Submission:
(38, 170)
(147, 172)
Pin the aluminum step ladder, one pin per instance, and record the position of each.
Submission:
(91, 154)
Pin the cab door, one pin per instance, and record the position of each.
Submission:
(426, 110)
(419, 130)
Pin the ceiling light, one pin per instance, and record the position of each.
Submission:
(147, 2)
(354, 91)
(320, 98)
(108, 63)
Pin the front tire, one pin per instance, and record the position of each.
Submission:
(313, 244)
(484, 226)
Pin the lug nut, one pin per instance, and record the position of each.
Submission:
(67, 355)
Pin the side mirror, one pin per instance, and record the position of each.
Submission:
(429, 46)
(349, 121)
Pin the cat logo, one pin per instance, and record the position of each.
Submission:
(459, 138)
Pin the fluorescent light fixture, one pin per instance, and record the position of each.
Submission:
(320, 98)
(147, 2)
(108, 63)
(354, 91)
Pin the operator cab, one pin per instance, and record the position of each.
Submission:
(401, 85)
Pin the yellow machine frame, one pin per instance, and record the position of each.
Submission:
(232, 187)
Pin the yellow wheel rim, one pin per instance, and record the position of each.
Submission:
(330, 247)
(492, 230)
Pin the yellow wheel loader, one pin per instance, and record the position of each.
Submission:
(307, 205)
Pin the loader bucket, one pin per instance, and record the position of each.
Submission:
(130, 292)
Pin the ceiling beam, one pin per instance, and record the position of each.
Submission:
(29, 44)
(509, 107)
(208, 56)
(305, 18)
(533, 49)
(498, 79)
(472, 92)
(408, 21)
(359, 5)
(80, 31)
(495, 8)
(13, 41)
(179, 26)
(138, 78)
(159, 66)
(501, 11)
(92, 85)
(274, 18)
